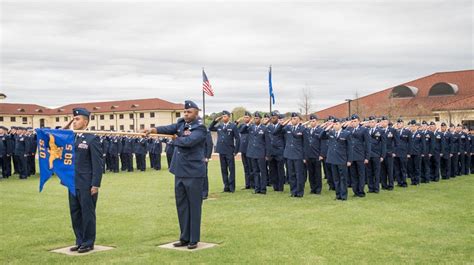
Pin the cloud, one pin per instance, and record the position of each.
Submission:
(56, 53)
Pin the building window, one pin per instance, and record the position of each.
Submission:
(112, 128)
(142, 126)
(111, 116)
(142, 115)
(93, 128)
(152, 115)
(13, 119)
(65, 118)
(1, 118)
(178, 114)
(101, 117)
(102, 127)
(404, 91)
(24, 120)
(152, 125)
(443, 89)
(121, 116)
(122, 127)
(131, 127)
(92, 117)
(131, 115)
(57, 119)
(436, 118)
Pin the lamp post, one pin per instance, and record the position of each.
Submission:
(349, 105)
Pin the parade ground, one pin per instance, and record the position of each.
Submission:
(427, 224)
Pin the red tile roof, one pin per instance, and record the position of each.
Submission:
(106, 106)
(380, 103)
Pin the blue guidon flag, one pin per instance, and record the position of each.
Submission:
(270, 86)
(56, 155)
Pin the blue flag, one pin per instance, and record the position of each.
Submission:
(56, 154)
(270, 87)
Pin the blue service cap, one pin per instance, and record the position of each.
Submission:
(432, 123)
(4, 128)
(384, 118)
(399, 120)
(424, 123)
(20, 128)
(247, 113)
(274, 113)
(336, 119)
(257, 114)
(225, 112)
(295, 114)
(412, 122)
(188, 104)
(371, 118)
(266, 115)
(443, 124)
(281, 116)
(80, 111)
(14, 127)
(313, 117)
(355, 116)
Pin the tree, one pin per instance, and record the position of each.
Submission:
(305, 104)
(238, 112)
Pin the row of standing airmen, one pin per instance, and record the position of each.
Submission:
(351, 152)
(17, 148)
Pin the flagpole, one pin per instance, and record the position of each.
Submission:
(122, 133)
(269, 94)
(203, 103)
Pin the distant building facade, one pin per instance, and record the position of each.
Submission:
(122, 115)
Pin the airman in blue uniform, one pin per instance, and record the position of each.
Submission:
(324, 153)
(207, 156)
(403, 141)
(455, 150)
(189, 167)
(340, 155)
(258, 141)
(361, 155)
(294, 153)
(88, 175)
(378, 151)
(446, 152)
(386, 170)
(435, 160)
(428, 137)
(243, 145)
(416, 154)
(276, 161)
(313, 154)
(227, 146)
(465, 156)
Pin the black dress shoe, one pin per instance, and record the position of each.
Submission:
(84, 249)
(180, 244)
(192, 245)
(75, 248)
(204, 198)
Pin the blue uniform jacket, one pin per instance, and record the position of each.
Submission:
(88, 162)
(188, 155)
(293, 141)
(340, 147)
(227, 137)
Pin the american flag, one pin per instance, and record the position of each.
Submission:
(206, 86)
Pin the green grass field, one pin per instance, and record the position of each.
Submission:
(428, 224)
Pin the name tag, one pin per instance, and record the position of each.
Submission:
(83, 146)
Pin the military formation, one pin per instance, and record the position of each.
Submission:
(366, 155)
(17, 151)
(119, 152)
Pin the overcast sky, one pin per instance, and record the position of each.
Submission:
(54, 53)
